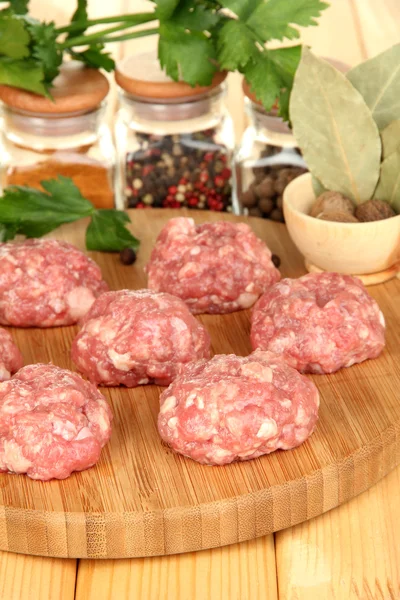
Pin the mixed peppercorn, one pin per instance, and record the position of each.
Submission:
(174, 171)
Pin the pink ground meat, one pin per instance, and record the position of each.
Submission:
(214, 267)
(136, 337)
(10, 356)
(52, 423)
(44, 283)
(237, 408)
(319, 323)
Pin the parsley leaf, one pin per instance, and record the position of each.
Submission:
(107, 232)
(242, 8)
(272, 20)
(79, 16)
(44, 48)
(236, 45)
(14, 39)
(17, 7)
(271, 76)
(192, 15)
(165, 8)
(25, 74)
(186, 56)
(95, 58)
(34, 213)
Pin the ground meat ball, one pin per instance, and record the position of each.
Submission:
(10, 356)
(214, 267)
(235, 408)
(52, 423)
(136, 337)
(319, 323)
(44, 283)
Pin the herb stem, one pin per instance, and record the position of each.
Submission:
(84, 40)
(129, 36)
(134, 19)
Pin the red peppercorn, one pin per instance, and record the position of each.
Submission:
(182, 181)
(172, 189)
(198, 185)
(140, 205)
(226, 173)
(193, 202)
(219, 181)
(208, 156)
(204, 176)
(146, 170)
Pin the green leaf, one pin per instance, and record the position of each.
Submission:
(7, 232)
(271, 76)
(242, 8)
(388, 188)
(273, 19)
(235, 45)
(335, 130)
(95, 58)
(378, 81)
(17, 7)
(165, 8)
(390, 137)
(14, 39)
(191, 15)
(67, 196)
(80, 16)
(107, 232)
(45, 49)
(186, 56)
(25, 74)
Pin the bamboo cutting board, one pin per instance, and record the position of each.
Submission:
(144, 500)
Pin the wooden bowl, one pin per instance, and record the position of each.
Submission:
(368, 250)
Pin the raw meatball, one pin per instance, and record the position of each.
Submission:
(214, 267)
(52, 423)
(319, 323)
(44, 283)
(10, 356)
(235, 408)
(137, 337)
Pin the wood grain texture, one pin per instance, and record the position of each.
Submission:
(36, 578)
(350, 553)
(239, 572)
(144, 500)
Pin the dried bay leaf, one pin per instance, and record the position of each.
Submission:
(390, 137)
(388, 188)
(335, 130)
(378, 81)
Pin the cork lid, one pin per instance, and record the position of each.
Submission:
(77, 89)
(340, 66)
(142, 76)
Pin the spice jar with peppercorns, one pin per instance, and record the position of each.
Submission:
(43, 138)
(174, 142)
(266, 161)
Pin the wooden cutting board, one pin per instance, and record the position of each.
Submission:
(144, 500)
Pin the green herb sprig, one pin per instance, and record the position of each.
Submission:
(195, 38)
(34, 213)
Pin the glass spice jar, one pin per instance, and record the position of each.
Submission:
(266, 161)
(43, 138)
(174, 142)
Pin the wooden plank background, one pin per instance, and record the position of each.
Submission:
(350, 553)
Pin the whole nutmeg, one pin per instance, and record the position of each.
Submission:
(248, 198)
(332, 202)
(266, 188)
(280, 185)
(339, 216)
(374, 210)
(277, 215)
(255, 212)
(266, 205)
(279, 202)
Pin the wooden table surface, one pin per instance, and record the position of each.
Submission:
(349, 553)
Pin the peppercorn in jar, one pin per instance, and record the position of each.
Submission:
(174, 141)
(266, 161)
(43, 138)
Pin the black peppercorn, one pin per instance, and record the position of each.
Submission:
(276, 260)
(127, 256)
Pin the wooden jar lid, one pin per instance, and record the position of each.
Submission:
(142, 76)
(76, 89)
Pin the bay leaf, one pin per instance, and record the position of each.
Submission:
(378, 81)
(335, 130)
(318, 188)
(390, 137)
(388, 188)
